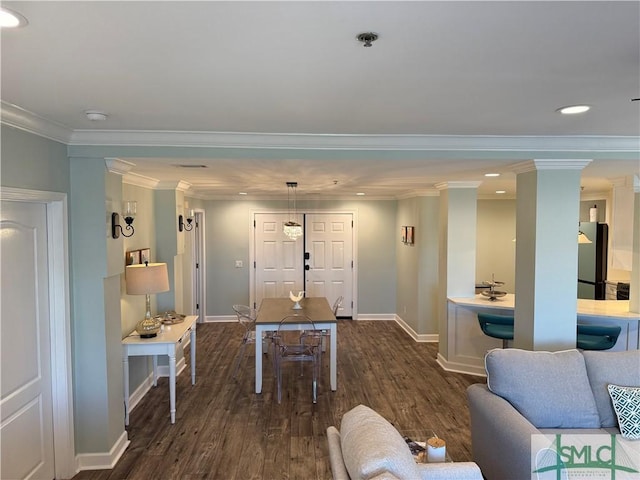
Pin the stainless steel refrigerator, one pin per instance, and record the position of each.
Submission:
(592, 261)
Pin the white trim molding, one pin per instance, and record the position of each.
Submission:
(59, 308)
(418, 337)
(20, 118)
(106, 460)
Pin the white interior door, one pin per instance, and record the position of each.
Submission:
(329, 245)
(26, 428)
(278, 259)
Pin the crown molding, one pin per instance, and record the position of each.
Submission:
(180, 185)
(20, 118)
(298, 141)
(550, 164)
(140, 181)
(120, 167)
(452, 185)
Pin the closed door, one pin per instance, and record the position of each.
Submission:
(280, 265)
(329, 258)
(26, 429)
(278, 259)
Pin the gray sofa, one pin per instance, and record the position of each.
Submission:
(531, 393)
(369, 447)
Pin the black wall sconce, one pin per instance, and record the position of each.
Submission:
(188, 226)
(128, 213)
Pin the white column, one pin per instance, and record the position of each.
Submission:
(457, 245)
(634, 288)
(547, 214)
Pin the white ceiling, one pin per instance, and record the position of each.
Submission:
(450, 90)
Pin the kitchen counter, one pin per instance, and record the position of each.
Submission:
(614, 309)
(466, 345)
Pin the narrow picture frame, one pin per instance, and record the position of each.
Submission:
(145, 255)
(403, 234)
(410, 232)
(132, 257)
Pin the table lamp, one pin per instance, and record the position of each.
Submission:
(145, 280)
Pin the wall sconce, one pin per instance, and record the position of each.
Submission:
(188, 226)
(128, 212)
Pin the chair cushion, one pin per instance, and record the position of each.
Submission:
(550, 389)
(626, 403)
(371, 446)
(603, 368)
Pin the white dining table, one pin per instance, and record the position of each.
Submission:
(273, 310)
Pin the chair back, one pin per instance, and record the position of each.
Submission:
(307, 335)
(246, 315)
(497, 326)
(337, 304)
(597, 337)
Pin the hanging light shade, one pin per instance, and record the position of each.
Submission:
(292, 229)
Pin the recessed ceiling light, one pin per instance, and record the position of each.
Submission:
(361, 194)
(491, 174)
(242, 193)
(11, 19)
(573, 109)
(95, 115)
(501, 191)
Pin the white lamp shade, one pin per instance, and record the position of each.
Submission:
(147, 279)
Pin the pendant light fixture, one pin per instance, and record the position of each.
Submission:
(292, 229)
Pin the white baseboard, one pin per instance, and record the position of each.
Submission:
(220, 318)
(418, 337)
(103, 461)
(376, 316)
(460, 368)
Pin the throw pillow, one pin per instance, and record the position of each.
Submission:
(603, 368)
(626, 403)
(550, 389)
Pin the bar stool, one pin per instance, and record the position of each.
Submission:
(597, 337)
(497, 326)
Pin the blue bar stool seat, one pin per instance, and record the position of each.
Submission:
(597, 337)
(497, 326)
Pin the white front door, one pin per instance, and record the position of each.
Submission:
(278, 259)
(26, 428)
(329, 246)
(279, 262)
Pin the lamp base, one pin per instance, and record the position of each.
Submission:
(148, 327)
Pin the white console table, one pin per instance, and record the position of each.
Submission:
(167, 343)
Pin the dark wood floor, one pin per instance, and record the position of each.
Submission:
(224, 430)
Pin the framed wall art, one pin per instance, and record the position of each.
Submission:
(135, 257)
(409, 235)
(132, 257)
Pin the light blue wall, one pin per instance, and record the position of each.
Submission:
(33, 162)
(495, 248)
(97, 362)
(417, 264)
(133, 306)
(228, 231)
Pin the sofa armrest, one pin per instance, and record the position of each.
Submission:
(338, 470)
(500, 435)
(450, 471)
